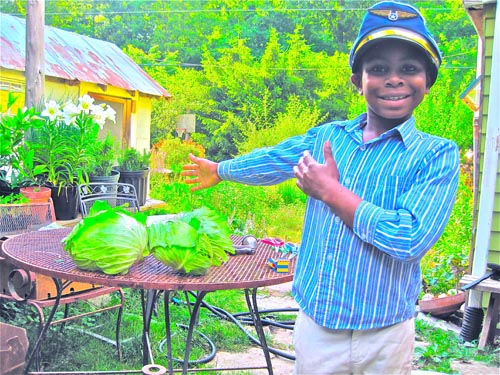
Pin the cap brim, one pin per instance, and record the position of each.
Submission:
(402, 34)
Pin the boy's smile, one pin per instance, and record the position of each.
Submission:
(393, 80)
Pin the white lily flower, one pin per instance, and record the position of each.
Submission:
(70, 113)
(110, 114)
(52, 110)
(85, 103)
(99, 116)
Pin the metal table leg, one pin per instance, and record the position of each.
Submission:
(35, 352)
(192, 323)
(168, 332)
(254, 313)
(147, 312)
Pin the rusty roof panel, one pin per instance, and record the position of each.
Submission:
(76, 57)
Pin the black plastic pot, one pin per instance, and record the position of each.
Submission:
(65, 202)
(5, 188)
(140, 180)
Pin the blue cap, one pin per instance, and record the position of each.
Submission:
(391, 19)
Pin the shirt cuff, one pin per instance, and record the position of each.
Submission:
(366, 219)
(223, 169)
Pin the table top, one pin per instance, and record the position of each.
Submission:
(43, 252)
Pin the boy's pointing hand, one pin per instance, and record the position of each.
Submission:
(315, 179)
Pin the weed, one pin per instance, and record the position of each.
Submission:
(443, 347)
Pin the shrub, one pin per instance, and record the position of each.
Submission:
(444, 264)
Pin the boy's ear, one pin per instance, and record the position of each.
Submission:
(356, 81)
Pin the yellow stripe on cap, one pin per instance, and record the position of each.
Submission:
(400, 34)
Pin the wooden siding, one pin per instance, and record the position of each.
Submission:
(488, 27)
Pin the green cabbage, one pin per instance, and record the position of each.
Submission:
(216, 228)
(193, 242)
(108, 240)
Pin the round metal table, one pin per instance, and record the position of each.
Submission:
(43, 252)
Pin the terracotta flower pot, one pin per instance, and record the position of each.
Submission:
(36, 194)
(442, 307)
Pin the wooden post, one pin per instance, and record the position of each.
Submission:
(35, 53)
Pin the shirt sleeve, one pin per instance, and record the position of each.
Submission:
(421, 213)
(269, 165)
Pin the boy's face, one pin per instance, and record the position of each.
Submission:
(393, 80)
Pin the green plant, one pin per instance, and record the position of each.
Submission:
(132, 160)
(104, 156)
(169, 155)
(65, 142)
(16, 154)
(443, 347)
(445, 263)
(13, 199)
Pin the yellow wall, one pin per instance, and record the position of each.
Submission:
(133, 110)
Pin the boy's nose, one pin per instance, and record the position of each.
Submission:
(394, 80)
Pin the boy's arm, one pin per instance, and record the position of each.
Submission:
(421, 213)
(321, 181)
(419, 218)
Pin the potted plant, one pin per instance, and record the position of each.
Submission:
(445, 264)
(104, 159)
(14, 125)
(134, 170)
(64, 146)
(28, 176)
(443, 296)
(20, 173)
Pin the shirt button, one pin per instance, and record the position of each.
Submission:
(329, 257)
(347, 181)
(362, 147)
(337, 219)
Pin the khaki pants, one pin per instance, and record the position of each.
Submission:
(324, 351)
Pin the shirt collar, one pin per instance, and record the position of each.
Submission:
(406, 130)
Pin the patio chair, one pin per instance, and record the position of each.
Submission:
(115, 193)
(39, 291)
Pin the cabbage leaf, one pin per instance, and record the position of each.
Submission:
(192, 242)
(110, 240)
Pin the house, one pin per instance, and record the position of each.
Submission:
(76, 65)
(485, 15)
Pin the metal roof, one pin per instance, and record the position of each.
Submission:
(76, 58)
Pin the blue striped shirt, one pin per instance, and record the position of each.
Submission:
(368, 276)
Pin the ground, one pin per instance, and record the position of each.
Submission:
(279, 296)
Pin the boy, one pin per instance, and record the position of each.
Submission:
(379, 195)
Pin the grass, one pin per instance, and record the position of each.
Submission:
(264, 212)
(444, 347)
(74, 351)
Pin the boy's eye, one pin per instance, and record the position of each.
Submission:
(377, 69)
(410, 69)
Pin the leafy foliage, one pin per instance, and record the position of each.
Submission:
(131, 160)
(297, 119)
(445, 263)
(443, 348)
(170, 154)
(237, 65)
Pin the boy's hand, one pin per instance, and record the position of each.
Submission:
(203, 173)
(315, 179)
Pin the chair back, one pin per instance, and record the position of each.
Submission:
(115, 193)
